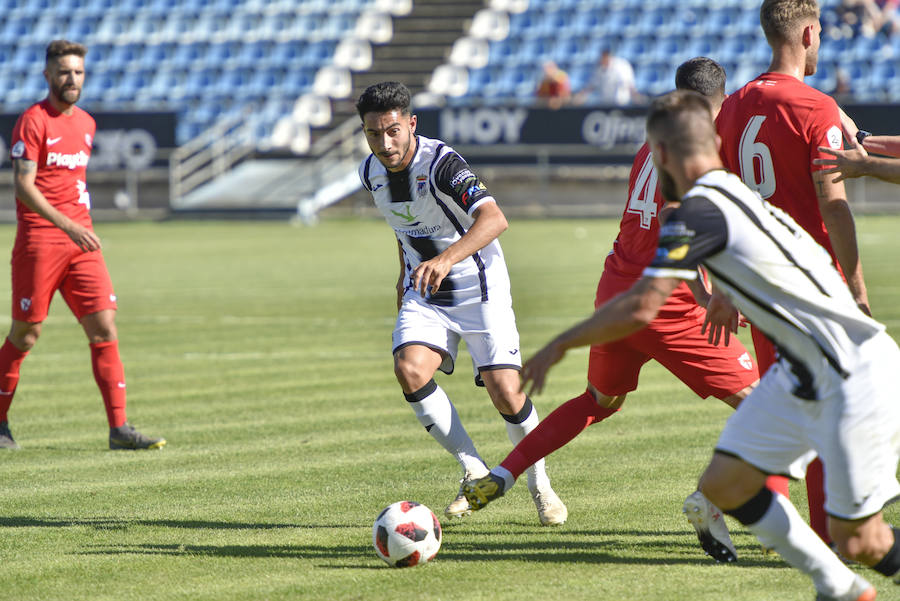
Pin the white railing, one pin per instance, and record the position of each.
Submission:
(333, 171)
(209, 155)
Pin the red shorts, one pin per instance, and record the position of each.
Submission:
(765, 350)
(680, 347)
(39, 270)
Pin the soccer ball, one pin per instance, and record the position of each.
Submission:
(406, 534)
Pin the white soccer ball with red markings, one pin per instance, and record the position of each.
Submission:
(406, 534)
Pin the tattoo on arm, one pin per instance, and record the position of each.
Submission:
(23, 166)
(820, 184)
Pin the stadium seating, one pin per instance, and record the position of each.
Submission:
(204, 59)
(657, 35)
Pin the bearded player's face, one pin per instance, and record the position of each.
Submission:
(390, 137)
(65, 77)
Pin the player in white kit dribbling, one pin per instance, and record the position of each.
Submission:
(453, 285)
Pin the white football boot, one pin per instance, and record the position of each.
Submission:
(709, 522)
(551, 510)
(459, 507)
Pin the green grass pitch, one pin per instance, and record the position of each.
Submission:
(262, 352)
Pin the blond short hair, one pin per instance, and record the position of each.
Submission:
(780, 19)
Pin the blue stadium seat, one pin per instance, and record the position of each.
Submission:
(654, 78)
(240, 49)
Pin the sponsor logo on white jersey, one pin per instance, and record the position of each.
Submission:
(68, 161)
(461, 177)
(52, 141)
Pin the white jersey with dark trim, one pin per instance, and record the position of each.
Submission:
(773, 271)
(430, 206)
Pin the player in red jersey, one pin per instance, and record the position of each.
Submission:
(771, 132)
(675, 338)
(56, 247)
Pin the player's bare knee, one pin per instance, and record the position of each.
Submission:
(100, 327)
(508, 402)
(411, 374)
(24, 335)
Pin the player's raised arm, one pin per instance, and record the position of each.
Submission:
(857, 162)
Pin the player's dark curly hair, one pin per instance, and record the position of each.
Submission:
(701, 74)
(60, 48)
(384, 97)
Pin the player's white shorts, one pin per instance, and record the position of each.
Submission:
(489, 329)
(854, 427)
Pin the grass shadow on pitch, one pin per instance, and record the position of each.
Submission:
(634, 547)
(246, 551)
(102, 523)
(545, 551)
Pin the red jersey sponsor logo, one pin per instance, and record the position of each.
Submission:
(68, 161)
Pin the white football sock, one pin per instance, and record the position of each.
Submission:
(436, 412)
(781, 528)
(508, 480)
(537, 473)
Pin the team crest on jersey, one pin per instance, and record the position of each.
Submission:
(88, 140)
(421, 185)
(834, 137)
(745, 361)
(25, 303)
(18, 150)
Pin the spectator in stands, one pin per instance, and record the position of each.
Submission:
(869, 17)
(843, 87)
(612, 82)
(554, 90)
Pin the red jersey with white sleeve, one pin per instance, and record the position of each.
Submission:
(635, 246)
(60, 145)
(771, 131)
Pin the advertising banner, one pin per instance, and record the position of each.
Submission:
(123, 140)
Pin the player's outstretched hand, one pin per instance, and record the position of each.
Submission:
(845, 164)
(722, 318)
(86, 239)
(430, 274)
(534, 371)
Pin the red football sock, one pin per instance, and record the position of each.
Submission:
(815, 492)
(110, 376)
(562, 425)
(10, 360)
(778, 484)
